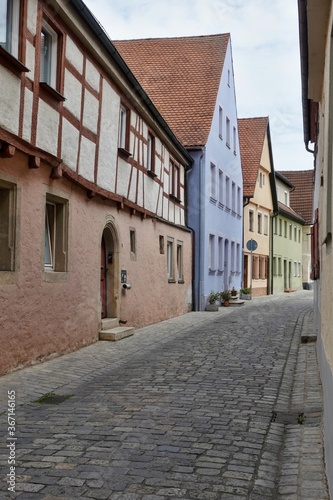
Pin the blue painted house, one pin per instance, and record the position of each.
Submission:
(191, 82)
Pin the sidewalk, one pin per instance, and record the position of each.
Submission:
(295, 432)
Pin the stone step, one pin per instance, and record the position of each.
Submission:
(236, 302)
(118, 333)
(108, 323)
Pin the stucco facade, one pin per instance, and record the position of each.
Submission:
(92, 192)
(259, 203)
(287, 265)
(316, 22)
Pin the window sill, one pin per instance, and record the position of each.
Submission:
(181, 282)
(123, 153)
(11, 63)
(151, 174)
(50, 91)
(174, 198)
(171, 280)
(55, 277)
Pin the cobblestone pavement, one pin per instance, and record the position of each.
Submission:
(224, 405)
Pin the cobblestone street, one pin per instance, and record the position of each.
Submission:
(224, 405)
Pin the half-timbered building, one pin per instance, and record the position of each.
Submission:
(92, 188)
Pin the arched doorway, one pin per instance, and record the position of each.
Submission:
(109, 277)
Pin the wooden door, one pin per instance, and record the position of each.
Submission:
(103, 278)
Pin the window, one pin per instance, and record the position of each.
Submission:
(233, 260)
(290, 232)
(221, 187)
(123, 139)
(161, 244)
(48, 55)
(7, 225)
(56, 234)
(220, 122)
(295, 268)
(295, 233)
(233, 197)
(133, 243)
(220, 254)
(261, 179)
(170, 260)
(151, 153)
(299, 235)
(228, 77)
(174, 181)
(180, 261)
(251, 221)
(280, 227)
(213, 181)
(276, 225)
(259, 223)
(227, 123)
(238, 258)
(266, 225)
(274, 266)
(280, 266)
(227, 192)
(285, 229)
(239, 201)
(286, 198)
(211, 256)
(234, 139)
(9, 27)
(299, 269)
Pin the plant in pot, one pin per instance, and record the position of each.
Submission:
(225, 297)
(234, 293)
(245, 293)
(212, 298)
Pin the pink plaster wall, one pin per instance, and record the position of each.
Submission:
(37, 318)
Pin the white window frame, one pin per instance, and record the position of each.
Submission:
(211, 253)
(151, 152)
(12, 28)
(56, 234)
(180, 274)
(220, 122)
(170, 259)
(221, 187)
(220, 245)
(51, 77)
(227, 133)
(213, 181)
(123, 117)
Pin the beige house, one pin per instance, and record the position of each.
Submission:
(316, 46)
(260, 202)
(92, 189)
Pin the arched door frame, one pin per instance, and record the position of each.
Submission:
(111, 239)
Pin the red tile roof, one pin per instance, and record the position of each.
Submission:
(182, 78)
(301, 197)
(252, 133)
(290, 212)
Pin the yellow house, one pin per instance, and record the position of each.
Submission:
(260, 202)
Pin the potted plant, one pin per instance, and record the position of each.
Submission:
(212, 298)
(225, 297)
(233, 293)
(245, 293)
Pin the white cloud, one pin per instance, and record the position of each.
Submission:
(265, 46)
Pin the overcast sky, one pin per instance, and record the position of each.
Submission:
(265, 47)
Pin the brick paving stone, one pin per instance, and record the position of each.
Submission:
(182, 409)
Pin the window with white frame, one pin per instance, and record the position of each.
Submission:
(56, 234)
(220, 122)
(151, 153)
(7, 225)
(295, 233)
(233, 197)
(227, 192)
(213, 181)
(9, 26)
(275, 225)
(266, 224)
(174, 180)
(220, 253)
(295, 268)
(299, 269)
(221, 187)
(227, 132)
(251, 221)
(133, 243)
(48, 55)
(280, 266)
(286, 198)
(180, 274)
(299, 235)
(290, 232)
(274, 266)
(238, 258)
(123, 138)
(233, 260)
(170, 271)
(234, 136)
(285, 229)
(211, 256)
(259, 223)
(280, 226)
(239, 201)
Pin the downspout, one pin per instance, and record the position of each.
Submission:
(246, 201)
(201, 228)
(193, 236)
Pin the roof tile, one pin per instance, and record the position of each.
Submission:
(301, 198)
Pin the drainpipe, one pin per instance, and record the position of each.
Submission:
(193, 237)
(201, 238)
